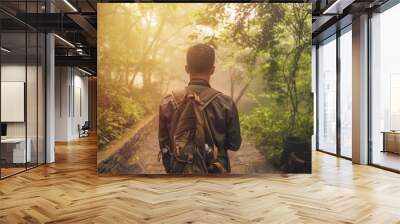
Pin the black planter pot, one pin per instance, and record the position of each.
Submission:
(296, 156)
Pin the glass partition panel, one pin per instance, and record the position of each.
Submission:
(15, 151)
(32, 95)
(327, 95)
(22, 88)
(346, 93)
(385, 89)
(41, 98)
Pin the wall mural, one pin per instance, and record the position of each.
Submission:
(204, 89)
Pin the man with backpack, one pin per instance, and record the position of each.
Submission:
(198, 125)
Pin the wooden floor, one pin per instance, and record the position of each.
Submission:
(5, 172)
(387, 159)
(70, 191)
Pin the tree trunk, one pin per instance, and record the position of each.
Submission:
(242, 91)
(292, 88)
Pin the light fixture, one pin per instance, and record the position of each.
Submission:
(70, 5)
(5, 50)
(65, 41)
(80, 51)
(84, 71)
(337, 7)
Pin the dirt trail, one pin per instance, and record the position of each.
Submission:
(246, 160)
(144, 157)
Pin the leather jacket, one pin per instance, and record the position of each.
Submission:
(222, 116)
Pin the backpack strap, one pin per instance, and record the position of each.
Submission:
(215, 162)
(178, 97)
(207, 96)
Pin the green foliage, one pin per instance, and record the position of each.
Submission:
(267, 129)
(273, 57)
(116, 112)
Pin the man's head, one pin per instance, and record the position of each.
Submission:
(200, 59)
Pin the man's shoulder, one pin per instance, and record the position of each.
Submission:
(167, 99)
(175, 96)
(172, 97)
(225, 97)
(224, 100)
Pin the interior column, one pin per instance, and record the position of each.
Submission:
(360, 90)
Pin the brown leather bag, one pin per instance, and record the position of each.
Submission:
(192, 149)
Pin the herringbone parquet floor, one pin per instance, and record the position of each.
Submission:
(70, 191)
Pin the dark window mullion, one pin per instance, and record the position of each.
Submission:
(338, 80)
(26, 87)
(37, 90)
(317, 96)
(369, 90)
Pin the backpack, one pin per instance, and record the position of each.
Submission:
(192, 149)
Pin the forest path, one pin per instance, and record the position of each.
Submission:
(247, 160)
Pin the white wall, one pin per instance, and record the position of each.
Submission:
(62, 81)
(80, 110)
(71, 94)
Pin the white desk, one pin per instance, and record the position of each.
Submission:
(18, 149)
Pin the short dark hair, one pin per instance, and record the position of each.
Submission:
(200, 58)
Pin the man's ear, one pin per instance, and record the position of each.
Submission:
(212, 70)
(187, 69)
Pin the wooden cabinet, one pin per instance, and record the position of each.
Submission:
(391, 142)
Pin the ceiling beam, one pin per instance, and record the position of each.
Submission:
(337, 7)
(84, 24)
(81, 61)
(49, 22)
(321, 23)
